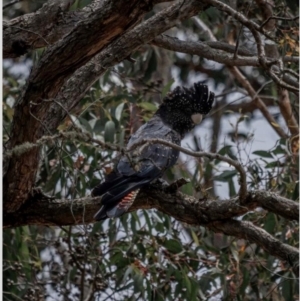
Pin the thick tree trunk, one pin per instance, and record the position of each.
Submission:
(105, 24)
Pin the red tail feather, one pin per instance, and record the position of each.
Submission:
(128, 200)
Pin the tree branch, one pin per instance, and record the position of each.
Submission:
(71, 135)
(278, 18)
(270, 244)
(45, 26)
(10, 4)
(284, 104)
(259, 103)
(41, 28)
(207, 50)
(47, 79)
(235, 164)
(203, 50)
(119, 50)
(272, 51)
(216, 215)
(26, 147)
(255, 30)
(184, 208)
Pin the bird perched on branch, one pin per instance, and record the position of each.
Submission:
(180, 111)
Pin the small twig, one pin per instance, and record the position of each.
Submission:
(20, 149)
(239, 34)
(292, 72)
(40, 36)
(201, 25)
(255, 30)
(202, 49)
(81, 136)
(237, 42)
(235, 164)
(259, 103)
(63, 108)
(263, 61)
(10, 4)
(173, 187)
(277, 18)
(261, 88)
(238, 16)
(130, 59)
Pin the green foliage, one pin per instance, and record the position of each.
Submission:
(147, 255)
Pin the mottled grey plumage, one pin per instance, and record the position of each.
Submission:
(142, 165)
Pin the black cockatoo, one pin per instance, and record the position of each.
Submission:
(180, 111)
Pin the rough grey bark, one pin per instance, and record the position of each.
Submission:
(40, 29)
(106, 30)
(46, 26)
(42, 211)
(119, 50)
(216, 215)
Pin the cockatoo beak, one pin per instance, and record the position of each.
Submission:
(197, 118)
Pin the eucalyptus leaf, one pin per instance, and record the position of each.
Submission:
(109, 131)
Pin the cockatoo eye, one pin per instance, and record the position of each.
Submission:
(197, 118)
